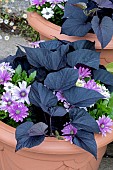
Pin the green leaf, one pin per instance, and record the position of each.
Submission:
(109, 67)
(111, 101)
(32, 76)
(24, 75)
(18, 70)
(3, 115)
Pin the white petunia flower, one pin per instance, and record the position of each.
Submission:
(47, 13)
(1, 20)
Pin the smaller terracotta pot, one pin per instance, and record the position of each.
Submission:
(52, 154)
(49, 31)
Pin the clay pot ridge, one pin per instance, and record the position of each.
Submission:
(7, 136)
(51, 31)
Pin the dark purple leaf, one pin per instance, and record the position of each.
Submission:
(82, 97)
(86, 141)
(81, 119)
(23, 138)
(103, 29)
(61, 80)
(84, 56)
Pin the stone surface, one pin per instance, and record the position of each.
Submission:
(9, 47)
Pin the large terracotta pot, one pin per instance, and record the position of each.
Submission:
(49, 30)
(52, 154)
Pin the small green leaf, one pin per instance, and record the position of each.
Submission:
(3, 115)
(109, 67)
(111, 101)
(18, 70)
(32, 76)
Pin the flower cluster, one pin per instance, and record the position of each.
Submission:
(14, 94)
(85, 81)
(50, 9)
(13, 21)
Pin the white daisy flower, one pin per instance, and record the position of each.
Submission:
(0, 37)
(8, 67)
(24, 16)
(21, 93)
(80, 83)
(1, 20)
(6, 38)
(12, 30)
(104, 91)
(11, 23)
(6, 21)
(47, 13)
(8, 87)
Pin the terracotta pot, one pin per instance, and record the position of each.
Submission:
(49, 30)
(52, 154)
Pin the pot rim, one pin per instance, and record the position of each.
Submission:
(53, 31)
(50, 145)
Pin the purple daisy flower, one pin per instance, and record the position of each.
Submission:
(69, 129)
(60, 96)
(21, 93)
(91, 84)
(7, 67)
(7, 101)
(18, 111)
(56, 2)
(37, 2)
(4, 76)
(36, 44)
(105, 124)
(83, 72)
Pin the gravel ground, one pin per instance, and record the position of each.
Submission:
(9, 48)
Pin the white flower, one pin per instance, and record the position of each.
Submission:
(6, 38)
(1, 20)
(12, 30)
(8, 67)
(47, 13)
(24, 16)
(0, 37)
(6, 21)
(80, 83)
(8, 87)
(21, 93)
(11, 23)
(104, 91)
